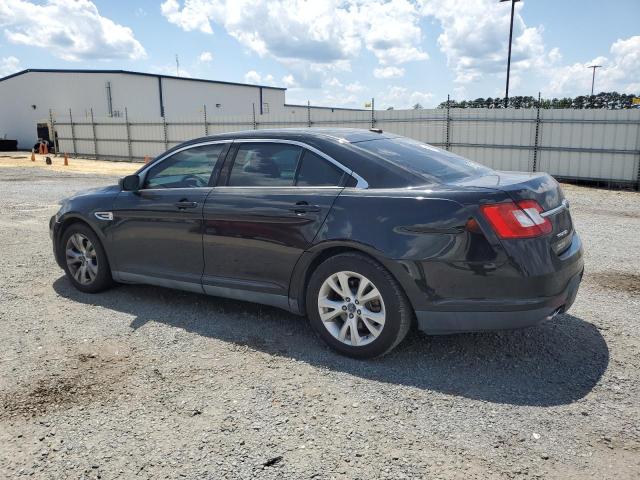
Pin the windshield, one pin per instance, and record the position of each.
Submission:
(433, 164)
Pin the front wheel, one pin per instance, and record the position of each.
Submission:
(85, 261)
(357, 307)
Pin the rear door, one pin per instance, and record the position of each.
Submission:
(273, 199)
(157, 231)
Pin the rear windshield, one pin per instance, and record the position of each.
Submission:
(431, 163)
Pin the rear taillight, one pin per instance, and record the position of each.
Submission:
(521, 220)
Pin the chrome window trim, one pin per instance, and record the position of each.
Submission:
(361, 183)
(144, 171)
(563, 206)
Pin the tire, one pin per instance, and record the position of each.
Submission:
(80, 247)
(325, 299)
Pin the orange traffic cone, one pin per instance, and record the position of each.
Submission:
(66, 159)
(147, 159)
(46, 149)
(33, 156)
(41, 149)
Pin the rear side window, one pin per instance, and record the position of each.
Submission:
(434, 164)
(186, 169)
(315, 171)
(265, 164)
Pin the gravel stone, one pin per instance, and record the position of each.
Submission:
(146, 382)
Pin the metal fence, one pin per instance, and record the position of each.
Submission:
(594, 145)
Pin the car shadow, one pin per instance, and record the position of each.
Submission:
(554, 363)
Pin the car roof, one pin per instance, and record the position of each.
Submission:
(350, 135)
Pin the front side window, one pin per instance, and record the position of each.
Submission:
(265, 164)
(189, 168)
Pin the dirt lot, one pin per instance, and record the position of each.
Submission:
(142, 382)
(75, 165)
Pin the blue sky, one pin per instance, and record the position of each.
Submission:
(337, 52)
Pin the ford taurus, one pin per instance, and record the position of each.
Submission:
(367, 233)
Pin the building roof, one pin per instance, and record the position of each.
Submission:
(128, 72)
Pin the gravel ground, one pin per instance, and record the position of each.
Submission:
(150, 383)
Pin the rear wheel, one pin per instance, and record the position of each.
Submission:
(85, 261)
(357, 307)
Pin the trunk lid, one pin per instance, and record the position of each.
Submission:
(542, 188)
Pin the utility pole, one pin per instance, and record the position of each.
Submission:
(177, 66)
(513, 10)
(593, 78)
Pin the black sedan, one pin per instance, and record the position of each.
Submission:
(366, 233)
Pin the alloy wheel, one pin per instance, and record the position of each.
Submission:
(82, 259)
(351, 308)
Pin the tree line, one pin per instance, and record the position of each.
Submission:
(603, 100)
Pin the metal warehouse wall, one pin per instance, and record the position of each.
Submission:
(62, 91)
(184, 97)
(86, 93)
(570, 144)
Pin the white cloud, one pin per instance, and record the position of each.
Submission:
(620, 72)
(331, 93)
(205, 57)
(474, 41)
(388, 72)
(334, 83)
(289, 81)
(401, 97)
(354, 87)
(69, 29)
(474, 38)
(9, 65)
(170, 69)
(392, 31)
(254, 77)
(309, 36)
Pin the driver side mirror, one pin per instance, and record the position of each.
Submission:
(130, 183)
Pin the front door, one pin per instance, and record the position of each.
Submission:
(274, 200)
(157, 231)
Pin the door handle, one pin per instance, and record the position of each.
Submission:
(183, 204)
(304, 207)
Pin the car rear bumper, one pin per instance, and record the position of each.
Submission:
(513, 312)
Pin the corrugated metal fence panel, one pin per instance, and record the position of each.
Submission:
(230, 123)
(111, 133)
(64, 133)
(500, 139)
(282, 120)
(341, 119)
(566, 135)
(581, 144)
(182, 129)
(146, 136)
(424, 125)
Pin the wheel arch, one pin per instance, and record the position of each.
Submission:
(70, 219)
(312, 258)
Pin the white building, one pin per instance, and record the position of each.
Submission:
(27, 96)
